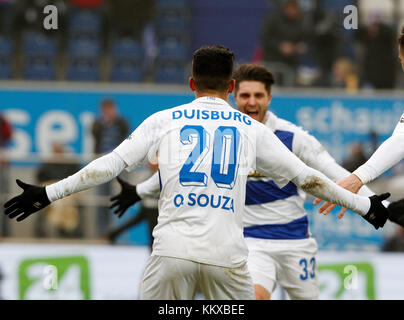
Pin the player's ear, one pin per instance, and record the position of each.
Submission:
(269, 99)
(192, 84)
(232, 85)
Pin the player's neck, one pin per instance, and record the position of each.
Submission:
(216, 94)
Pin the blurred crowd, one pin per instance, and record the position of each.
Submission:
(94, 40)
(303, 42)
(310, 47)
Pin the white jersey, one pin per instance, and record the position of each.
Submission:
(205, 151)
(386, 156)
(278, 213)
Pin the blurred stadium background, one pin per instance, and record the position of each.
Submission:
(344, 86)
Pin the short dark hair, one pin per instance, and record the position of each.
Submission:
(401, 39)
(212, 68)
(254, 72)
(107, 102)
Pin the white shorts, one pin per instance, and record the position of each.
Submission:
(168, 278)
(289, 263)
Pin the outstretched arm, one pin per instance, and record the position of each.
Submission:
(387, 155)
(96, 172)
(313, 154)
(35, 198)
(133, 151)
(276, 161)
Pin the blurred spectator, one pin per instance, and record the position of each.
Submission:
(129, 18)
(396, 242)
(61, 218)
(7, 11)
(87, 4)
(378, 58)
(30, 15)
(109, 130)
(356, 157)
(326, 39)
(58, 167)
(149, 213)
(6, 132)
(344, 75)
(283, 40)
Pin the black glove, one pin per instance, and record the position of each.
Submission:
(32, 199)
(125, 199)
(377, 214)
(396, 212)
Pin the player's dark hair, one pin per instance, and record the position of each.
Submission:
(212, 68)
(401, 39)
(254, 72)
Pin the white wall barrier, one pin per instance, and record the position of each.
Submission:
(67, 271)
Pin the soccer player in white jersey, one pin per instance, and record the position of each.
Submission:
(281, 250)
(205, 150)
(386, 156)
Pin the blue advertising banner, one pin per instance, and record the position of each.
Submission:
(43, 117)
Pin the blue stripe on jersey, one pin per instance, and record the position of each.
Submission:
(286, 137)
(259, 192)
(161, 186)
(296, 229)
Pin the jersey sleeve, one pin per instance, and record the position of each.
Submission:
(274, 159)
(141, 144)
(98, 171)
(399, 129)
(387, 155)
(149, 187)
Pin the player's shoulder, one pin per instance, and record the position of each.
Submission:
(279, 124)
(168, 112)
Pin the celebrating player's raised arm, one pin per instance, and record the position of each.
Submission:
(276, 161)
(99, 171)
(312, 153)
(386, 156)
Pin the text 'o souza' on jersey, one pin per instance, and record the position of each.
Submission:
(212, 115)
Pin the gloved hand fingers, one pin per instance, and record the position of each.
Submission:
(21, 184)
(15, 213)
(22, 217)
(114, 204)
(384, 196)
(11, 208)
(117, 210)
(114, 197)
(12, 201)
(123, 210)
